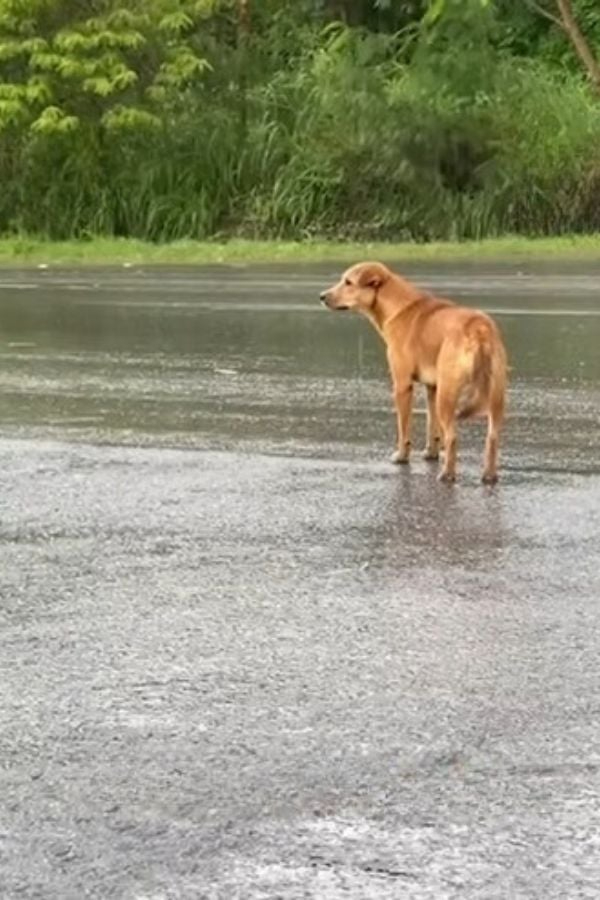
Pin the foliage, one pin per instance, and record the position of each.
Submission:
(63, 68)
(174, 119)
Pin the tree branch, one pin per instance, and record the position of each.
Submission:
(569, 25)
(579, 41)
(538, 8)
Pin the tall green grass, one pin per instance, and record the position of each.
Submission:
(346, 136)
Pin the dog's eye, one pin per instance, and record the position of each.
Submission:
(347, 282)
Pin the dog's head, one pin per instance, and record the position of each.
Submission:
(358, 287)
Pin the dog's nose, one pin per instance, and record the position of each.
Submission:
(323, 296)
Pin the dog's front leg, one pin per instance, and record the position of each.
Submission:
(403, 397)
(432, 444)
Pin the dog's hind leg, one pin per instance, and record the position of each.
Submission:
(495, 419)
(446, 402)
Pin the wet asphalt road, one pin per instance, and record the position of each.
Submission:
(241, 656)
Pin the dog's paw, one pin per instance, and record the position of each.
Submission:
(489, 478)
(430, 454)
(399, 458)
(447, 477)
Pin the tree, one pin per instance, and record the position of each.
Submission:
(562, 14)
(65, 64)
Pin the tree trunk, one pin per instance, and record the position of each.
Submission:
(336, 9)
(244, 17)
(577, 38)
(243, 37)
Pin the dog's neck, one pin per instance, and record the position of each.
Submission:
(389, 304)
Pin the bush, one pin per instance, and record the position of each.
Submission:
(298, 130)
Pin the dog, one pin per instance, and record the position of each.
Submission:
(456, 352)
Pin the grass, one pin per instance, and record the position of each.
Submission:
(112, 251)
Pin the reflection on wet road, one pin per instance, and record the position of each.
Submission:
(244, 657)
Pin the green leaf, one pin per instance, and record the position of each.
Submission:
(157, 93)
(73, 41)
(101, 86)
(34, 45)
(436, 9)
(54, 120)
(175, 22)
(11, 112)
(76, 68)
(124, 78)
(45, 61)
(76, 41)
(37, 91)
(182, 68)
(129, 118)
(206, 8)
(10, 50)
(125, 18)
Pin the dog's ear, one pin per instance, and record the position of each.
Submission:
(373, 275)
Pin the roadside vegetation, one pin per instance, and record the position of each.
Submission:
(129, 252)
(343, 120)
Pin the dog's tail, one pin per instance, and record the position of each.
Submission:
(486, 373)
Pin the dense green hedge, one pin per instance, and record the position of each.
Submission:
(164, 119)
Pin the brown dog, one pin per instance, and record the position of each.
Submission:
(455, 351)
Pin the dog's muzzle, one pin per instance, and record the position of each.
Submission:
(326, 301)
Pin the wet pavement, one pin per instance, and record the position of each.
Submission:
(244, 658)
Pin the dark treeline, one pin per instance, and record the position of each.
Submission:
(397, 119)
